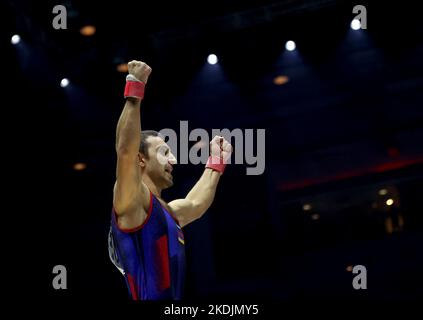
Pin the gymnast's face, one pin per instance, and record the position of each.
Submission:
(159, 163)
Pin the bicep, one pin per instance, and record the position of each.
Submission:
(185, 210)
(128, 185)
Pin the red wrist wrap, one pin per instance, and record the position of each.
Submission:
(216, 163)
(134, 89)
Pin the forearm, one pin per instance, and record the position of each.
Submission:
(202, 194)
(128, 130)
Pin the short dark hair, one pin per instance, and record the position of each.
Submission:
(144, 145)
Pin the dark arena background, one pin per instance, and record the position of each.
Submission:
(343, 119)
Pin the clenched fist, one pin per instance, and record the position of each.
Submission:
(139, 70)
(220, 147)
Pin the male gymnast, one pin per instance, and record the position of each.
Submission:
(146, 242)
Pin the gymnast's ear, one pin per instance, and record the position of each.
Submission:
(141, 160)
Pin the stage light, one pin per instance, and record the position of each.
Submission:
(307, 207)
(64, 83)
(122, 67)
(349, 268)
(79, 166)
(383, 192)
(87, 31)
(315, 216)
(280, 80)
(355, 24)
(212, 59)
(15, 39)
(389, 202)
(290, 45)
